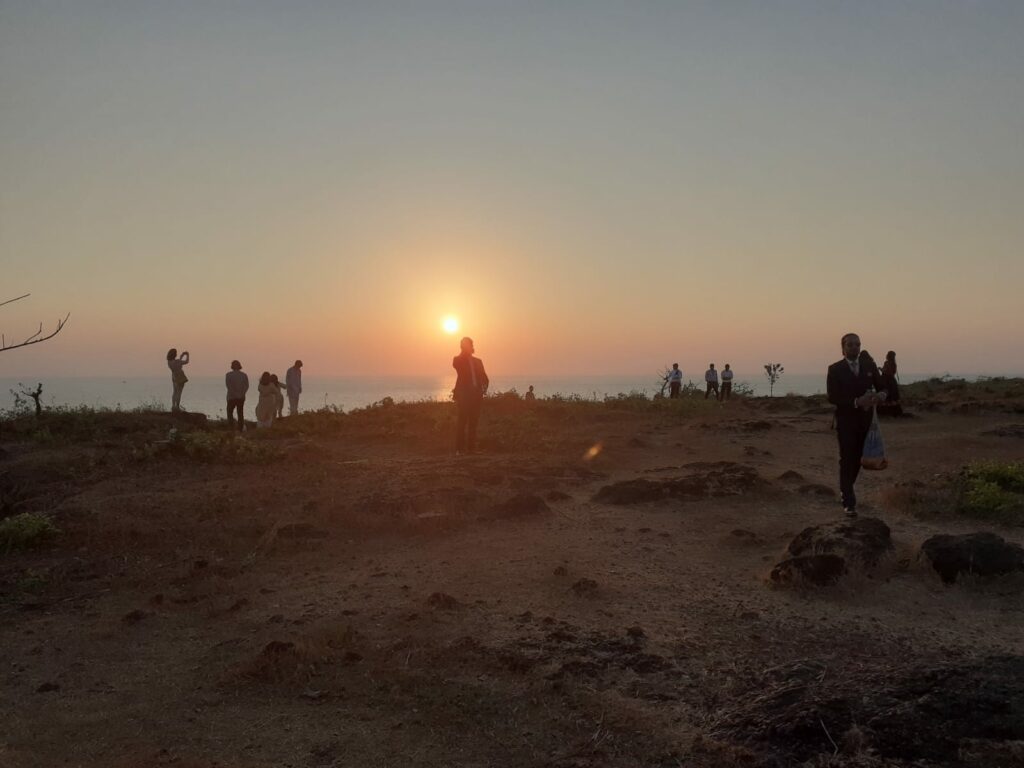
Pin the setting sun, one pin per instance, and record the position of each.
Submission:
(450, 324)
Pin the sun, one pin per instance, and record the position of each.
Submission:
(450, 324)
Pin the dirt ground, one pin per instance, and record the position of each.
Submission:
(365, 598)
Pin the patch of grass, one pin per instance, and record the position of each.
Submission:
(25, 531)
(993, 491)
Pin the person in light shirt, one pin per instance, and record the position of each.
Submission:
(711, 380)
(726, 383)
(675, 381)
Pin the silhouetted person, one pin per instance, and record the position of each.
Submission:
(237, 384)
(711, 380)
(280, 395)
(266, 407)
(847, 384)
(293, 383)
(529, 396)
(178, 377)
(675, 381)
(470, 386)
(890, 384)
(726, 383)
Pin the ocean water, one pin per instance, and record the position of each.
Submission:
(205, 394)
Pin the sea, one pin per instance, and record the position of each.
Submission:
(205, 394)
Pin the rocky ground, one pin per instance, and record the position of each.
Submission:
(605, 584)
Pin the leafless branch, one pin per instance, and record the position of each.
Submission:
(36, 337)
(15, 299)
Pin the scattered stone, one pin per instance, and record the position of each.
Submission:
(982, 554)
(134, 617)
(238, 605)
(1010, 430)
(557, 495)
(313, 695)
(791, 476)
(561, 570)
(277, 618)
(636, 632)
(819, 570)
(864, 540)
(442, 602)
(157, 599)
(48, 688)
(585, 587)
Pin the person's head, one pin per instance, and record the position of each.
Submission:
(235, 365)
(298, 363)
(727, 366)
(531, 387)
(466, 345)
(851, 345)
(890, 356)
(172, 353)
(265, 378)
(711, 366)
(675, 366)
(273, 378)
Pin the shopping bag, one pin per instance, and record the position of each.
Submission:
(873, 455)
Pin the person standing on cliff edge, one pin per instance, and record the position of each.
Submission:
(470, 387)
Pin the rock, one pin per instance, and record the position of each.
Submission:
(557, 495)
(791, 476)
(48, 688)
(442, 602)
(561, 570)
(522, 504)
(134, 617)
(717, 479)
(585, 587)
(743, 536)
(982, 554)
(819, 570)
(636, 632)
(864, 540)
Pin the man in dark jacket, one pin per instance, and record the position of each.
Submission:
(848, 383)
(470, 387)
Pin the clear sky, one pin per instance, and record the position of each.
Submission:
(588, 186)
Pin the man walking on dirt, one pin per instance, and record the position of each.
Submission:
(847, 384)
(470, 387)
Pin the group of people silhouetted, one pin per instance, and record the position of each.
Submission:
(674, 379)
(271, 393)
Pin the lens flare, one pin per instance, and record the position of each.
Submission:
(450, 324)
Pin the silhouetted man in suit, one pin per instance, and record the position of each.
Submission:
(847, 384)
(470, 387)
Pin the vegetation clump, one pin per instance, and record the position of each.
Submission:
(25, 531)
(993, 491)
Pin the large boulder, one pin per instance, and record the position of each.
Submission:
(864, 540)
(982, 554)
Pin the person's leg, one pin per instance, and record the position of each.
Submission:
(176, 396)
(231, 418)
(293, 405)
(461, 421)
(674, 390)
(851, 444)
(241, 416)
(707, 390)
(473, 419)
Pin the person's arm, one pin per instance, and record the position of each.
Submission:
(484, 381)
(184, 358)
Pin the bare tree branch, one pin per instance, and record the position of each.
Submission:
(36, 337)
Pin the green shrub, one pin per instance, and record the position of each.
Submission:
(24, 531)
(993, 491)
